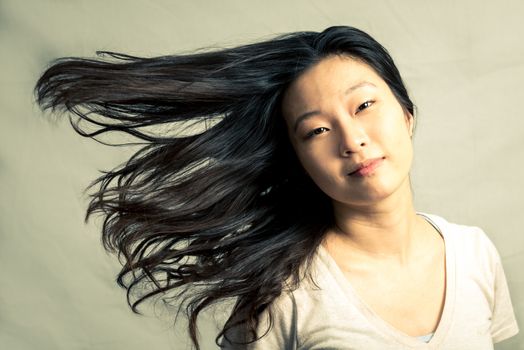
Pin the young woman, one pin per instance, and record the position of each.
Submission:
(294, 202)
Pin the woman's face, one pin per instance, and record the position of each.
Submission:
(349, 132)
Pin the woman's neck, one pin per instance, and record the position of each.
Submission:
(386, 230)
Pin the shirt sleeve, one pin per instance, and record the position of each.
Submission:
(503, 322)
(281, 335)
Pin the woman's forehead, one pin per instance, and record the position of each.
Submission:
(332, 76)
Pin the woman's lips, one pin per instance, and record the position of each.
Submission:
(367, 167)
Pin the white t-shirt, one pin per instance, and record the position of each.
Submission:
(477, 310)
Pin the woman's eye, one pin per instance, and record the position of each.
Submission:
(364, 106)
(316, 131)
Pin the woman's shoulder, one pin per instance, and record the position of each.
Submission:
(457, 231)
(469, 241)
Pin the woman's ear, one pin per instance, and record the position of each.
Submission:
(410, 122)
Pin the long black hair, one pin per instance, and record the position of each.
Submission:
(225, 213)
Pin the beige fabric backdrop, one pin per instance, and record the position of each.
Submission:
(463, 62)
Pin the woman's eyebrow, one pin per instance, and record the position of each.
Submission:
(358, 86)
(350, 90)
(304, 117)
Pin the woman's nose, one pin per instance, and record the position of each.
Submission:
(353, 138)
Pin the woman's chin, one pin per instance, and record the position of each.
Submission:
(368, 196)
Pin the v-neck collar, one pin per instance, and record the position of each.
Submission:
(386, 328)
